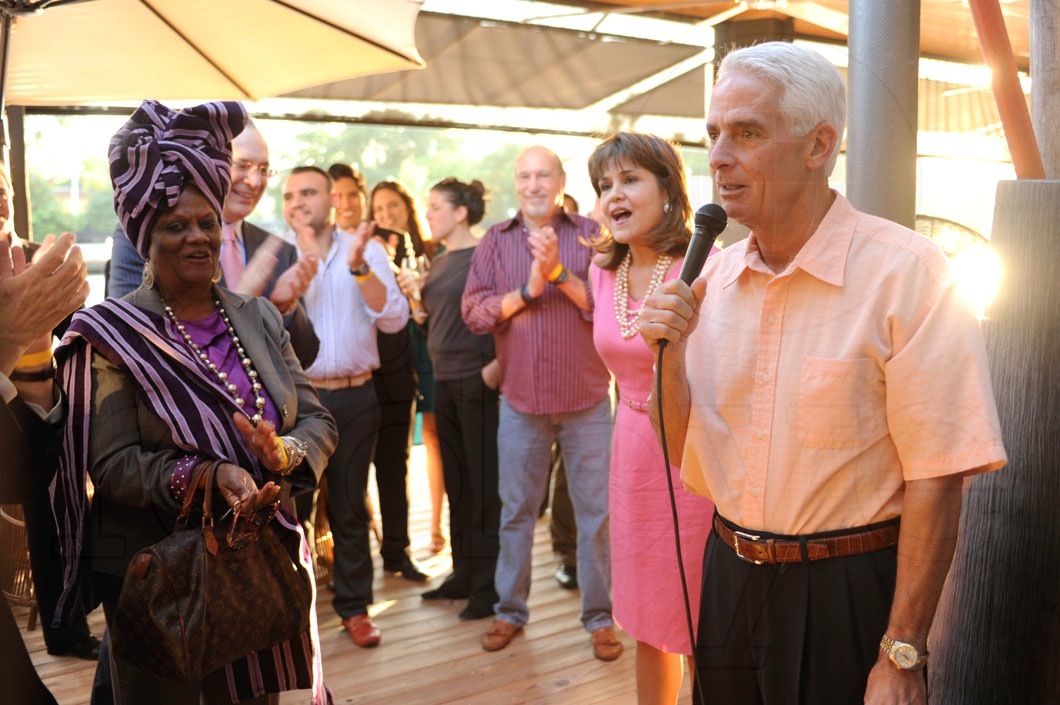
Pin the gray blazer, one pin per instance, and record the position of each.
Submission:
(132, 453)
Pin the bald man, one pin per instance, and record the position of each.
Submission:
(528, 286)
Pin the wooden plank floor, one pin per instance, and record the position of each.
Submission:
(428, 656)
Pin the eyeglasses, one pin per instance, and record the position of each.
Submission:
(244, 169)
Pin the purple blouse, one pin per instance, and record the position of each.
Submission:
(211, 335)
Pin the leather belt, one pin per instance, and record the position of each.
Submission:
(759, 549)
(333, 383)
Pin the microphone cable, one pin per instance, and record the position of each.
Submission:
(696, 684)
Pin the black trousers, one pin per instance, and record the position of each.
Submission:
(356, 413)
(791, 633)
(391, 461)
(467, 414)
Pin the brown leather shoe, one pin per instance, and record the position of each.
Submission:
(362, 630)
(499, 635)
(606, 645)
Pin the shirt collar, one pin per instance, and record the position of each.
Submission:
(237, 228)
(517, 221)
(824, 256)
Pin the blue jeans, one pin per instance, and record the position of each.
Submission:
(524, 443)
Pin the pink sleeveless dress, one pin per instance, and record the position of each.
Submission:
(646, 585)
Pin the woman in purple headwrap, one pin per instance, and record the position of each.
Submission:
(178, 372)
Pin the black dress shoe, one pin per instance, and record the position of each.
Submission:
(408, 570)
(84, 646)
(443, 592)
(567, 577)
(473, 612)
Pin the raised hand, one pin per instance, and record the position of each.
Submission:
(262, 441)
(360, 238)
(304, 234)
(34, 299)
(293, 283)
(544, 245)
(260, 267)
(535, 284)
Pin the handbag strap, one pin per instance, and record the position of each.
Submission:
(202, 475)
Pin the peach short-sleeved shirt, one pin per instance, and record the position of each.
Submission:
(816, 393)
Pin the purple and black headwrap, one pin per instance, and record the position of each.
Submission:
(159, 152)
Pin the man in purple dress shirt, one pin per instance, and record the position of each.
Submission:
(528, 286)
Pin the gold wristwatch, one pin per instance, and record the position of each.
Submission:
(903, 655)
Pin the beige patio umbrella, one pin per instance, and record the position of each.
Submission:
(70, 52)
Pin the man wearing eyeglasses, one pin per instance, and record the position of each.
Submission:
(253, 261)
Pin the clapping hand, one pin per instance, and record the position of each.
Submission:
(262, 441)
(361, 236)
(544, 245)
(36, 298)
(260, 267)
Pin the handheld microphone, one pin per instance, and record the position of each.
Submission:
(710, 221)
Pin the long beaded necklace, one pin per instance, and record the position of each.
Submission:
(222, 376)
(628, 323)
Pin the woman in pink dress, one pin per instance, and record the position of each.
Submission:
(641, 184)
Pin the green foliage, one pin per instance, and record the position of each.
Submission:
(49, 213)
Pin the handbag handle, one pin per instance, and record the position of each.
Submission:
(203, 475)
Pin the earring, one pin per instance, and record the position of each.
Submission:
(666, 207)
(217, 274)
(148, 280)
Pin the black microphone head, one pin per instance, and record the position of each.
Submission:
(711, 218)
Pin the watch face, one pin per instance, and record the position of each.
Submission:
(905, 655)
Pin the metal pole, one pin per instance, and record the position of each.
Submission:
(882, 83)
(5, 42)
(1045, 76)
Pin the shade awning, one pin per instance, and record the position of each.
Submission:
(479, 62)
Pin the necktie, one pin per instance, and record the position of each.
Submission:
(231, 258)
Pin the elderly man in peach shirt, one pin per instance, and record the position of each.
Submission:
(826, 388)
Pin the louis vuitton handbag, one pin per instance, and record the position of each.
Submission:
(206, 595)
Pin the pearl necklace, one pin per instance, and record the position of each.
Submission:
(221, 375)
(628, 324)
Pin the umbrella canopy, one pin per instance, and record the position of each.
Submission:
(67, 52)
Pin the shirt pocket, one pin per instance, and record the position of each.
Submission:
(840, 403)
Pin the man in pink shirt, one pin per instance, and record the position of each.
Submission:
(826, 388)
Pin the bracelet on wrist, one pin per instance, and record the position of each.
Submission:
(559, 271)
(525, 294)
(34, 359)
(361, 272)
(44, 374)
(295, 450)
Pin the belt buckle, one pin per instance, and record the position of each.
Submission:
(736, 536)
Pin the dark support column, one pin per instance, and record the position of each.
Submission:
(734, 34)
(16, 154)
(882, 86)
(997, 633)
